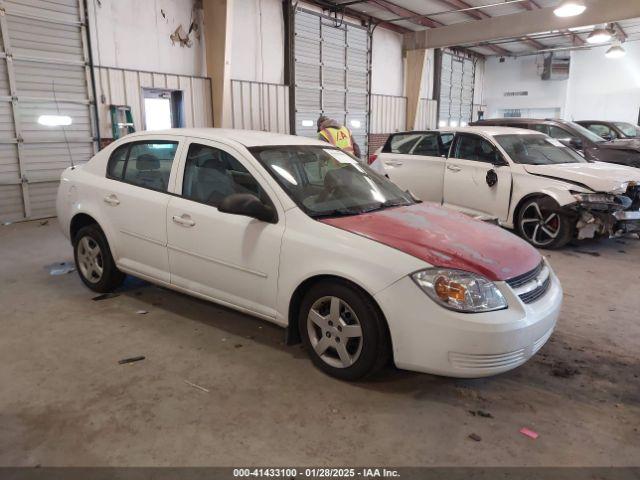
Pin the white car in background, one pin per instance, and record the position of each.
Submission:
(526, 180)
(299, 233)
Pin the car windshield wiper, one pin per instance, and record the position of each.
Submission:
(387, 204)
(338, 212)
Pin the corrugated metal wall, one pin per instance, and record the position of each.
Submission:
(388, 113)
(116, 86)
(331, 74)
(427, 117)
(260, 106)
(43, 71)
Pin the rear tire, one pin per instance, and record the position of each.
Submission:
(343, 331)
(543, 224)
(94, 261)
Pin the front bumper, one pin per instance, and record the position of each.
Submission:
(431, 339)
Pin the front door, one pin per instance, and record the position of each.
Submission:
(230, 258)
(477, 179)
(134, 201)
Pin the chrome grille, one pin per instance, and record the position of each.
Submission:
(525, 278)
(532, 285)
(534, 295)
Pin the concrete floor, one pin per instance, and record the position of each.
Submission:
(65, 400)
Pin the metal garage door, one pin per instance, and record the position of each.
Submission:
(43, 78)
(331, 74)
(456, 90)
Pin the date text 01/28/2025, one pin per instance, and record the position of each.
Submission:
(315, 472)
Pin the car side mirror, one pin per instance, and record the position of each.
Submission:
(249, 206)
(608, 137)
(499, 161)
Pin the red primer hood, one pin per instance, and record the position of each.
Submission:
(445, 238)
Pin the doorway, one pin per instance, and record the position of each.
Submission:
(162, 109)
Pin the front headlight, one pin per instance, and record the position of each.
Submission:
(619, 201)
(459, 290)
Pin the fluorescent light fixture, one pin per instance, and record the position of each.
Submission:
(570, 8)
(615, 50)
(599, 35)
(55, 120)
(355, 123)
(307, 123)
(442, 123)
(463, 124)
(453, 123)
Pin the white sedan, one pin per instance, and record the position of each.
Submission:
(526, 180)
(301, 234)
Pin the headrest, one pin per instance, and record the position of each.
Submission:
(213, 163)
(146, 161)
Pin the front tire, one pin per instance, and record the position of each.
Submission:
(343, 331)
(543, 224)
(94, 262)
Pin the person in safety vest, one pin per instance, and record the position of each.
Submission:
(330, 131)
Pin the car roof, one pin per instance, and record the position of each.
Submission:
(489, 130)
(248, 138)
(519, 120)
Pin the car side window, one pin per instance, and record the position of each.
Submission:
(428, 146)
(402, 142)
(212, 174)
(144, 164)
(559, 133)
(602, 130)
(473, 147)
(115, 167)
(540, 127)
(445, 142)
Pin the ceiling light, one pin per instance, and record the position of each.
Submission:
(615, 51)
(599, 35)
(55, 120)
(570, 8)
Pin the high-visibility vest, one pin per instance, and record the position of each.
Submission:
(339, 137)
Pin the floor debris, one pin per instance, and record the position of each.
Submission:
(191, 384)
(131, 359)
(562, 370)
(61, 268)
(480, 413)
(585, 252)
(142, 312)
(475, 437)
(529, 433)
(238, 345)
(44, 222)
(105, 296)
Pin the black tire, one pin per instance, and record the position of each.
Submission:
(561, 223)
(374, 352)
(110, 278)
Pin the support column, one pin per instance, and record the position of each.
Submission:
(415, 73)
(217, 34)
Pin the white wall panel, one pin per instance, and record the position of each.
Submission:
(388, 113)
(260, 106)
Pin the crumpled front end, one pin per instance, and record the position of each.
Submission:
(607, 214)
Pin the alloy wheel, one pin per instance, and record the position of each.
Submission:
(90, 259)
(540, 227)
(335, 332)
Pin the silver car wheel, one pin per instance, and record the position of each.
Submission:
(540, 228)
(90, 260)
(335, 332)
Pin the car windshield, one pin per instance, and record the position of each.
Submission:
(326, 182)
(628, 129)
(585, 132)
(537, 150)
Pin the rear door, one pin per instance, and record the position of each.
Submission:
(467, 187)
(415, 162)
(134, 199)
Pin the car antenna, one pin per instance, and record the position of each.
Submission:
(64, 132)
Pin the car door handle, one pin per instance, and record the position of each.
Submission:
(112, 200)
(184, 220)
(453, 168)
(393, 163)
